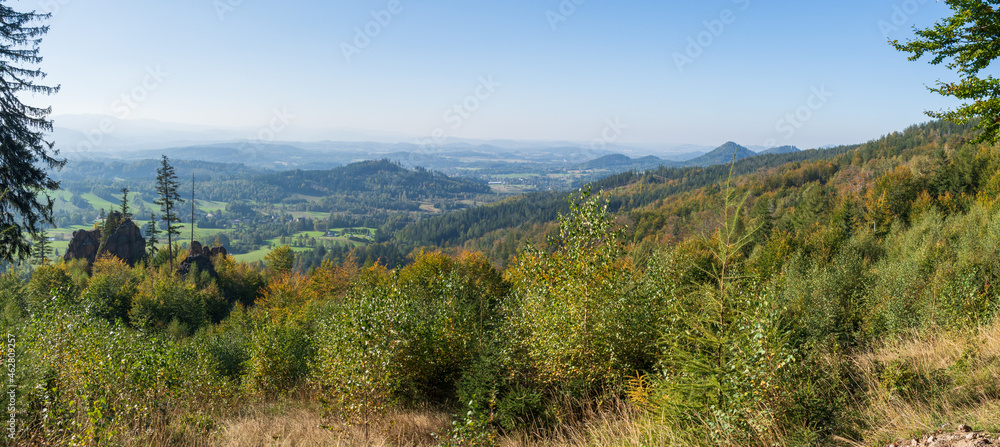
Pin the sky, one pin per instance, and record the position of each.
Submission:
(761, 73)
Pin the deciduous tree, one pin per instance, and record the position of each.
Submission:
(969, 40)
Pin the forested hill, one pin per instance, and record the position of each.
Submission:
(668, 200)
(110, 170)
(382, 182)
(381, 176)
(722, 155)
(460, 227)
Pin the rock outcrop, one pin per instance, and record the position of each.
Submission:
(84, 245)
(218, 251)
(201, 257)
(203, 263)
(125, 242)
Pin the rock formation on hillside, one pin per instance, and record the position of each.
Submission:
(125, 242)
(202, 258)
(84, 245)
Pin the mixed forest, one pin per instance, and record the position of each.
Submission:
(835, 297)
(793, 299)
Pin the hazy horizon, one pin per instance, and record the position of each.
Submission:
(634, 73)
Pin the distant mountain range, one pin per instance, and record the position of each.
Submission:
(720, 155)
(454, 159)
(104, 138)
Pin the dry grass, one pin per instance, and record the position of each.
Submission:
(616, 424)
(298, 421)
(622, 424)
(958, 377)
(302, 425)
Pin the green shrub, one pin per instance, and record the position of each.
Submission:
(162, 300)
(97, 380)
(579, 314)
(227, 345)
(110, 290)
(13, 299)
(725, 358)
(825, 302)
(358, 345)
(279, 358)
(238, 282)
(53, 282)
(408, 336)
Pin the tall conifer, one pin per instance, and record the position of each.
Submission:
(170, 199)
(26, 159)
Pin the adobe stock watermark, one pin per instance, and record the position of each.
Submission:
(363, 36)
(792, 122)
(460, 112)
(714, 29)
(279, 122)
(52, 6)
(123, 107)
(10, 366)
(223, 7)
(613, 130)
(128, 102)
(562, 12)
(901, 13)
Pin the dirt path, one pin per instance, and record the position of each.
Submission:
(963, 437)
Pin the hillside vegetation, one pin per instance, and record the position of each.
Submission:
(249, 210)
(833, 297)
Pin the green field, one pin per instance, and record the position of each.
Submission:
(99, 203)
(258, 255)
(310, 214)
(209, 206)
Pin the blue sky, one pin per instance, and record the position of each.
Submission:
(233, 62)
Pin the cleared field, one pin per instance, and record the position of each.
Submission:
(67, 233)
(99, 203)
(310, 214)
(516, 176)
(258, 255)
(209, 206)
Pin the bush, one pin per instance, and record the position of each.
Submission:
(725, 353)
(110, 291)
(163, 300)
(582, 320)
(238, 282)
(286, 298)
(97, 380)
(227, 345)
(54, 281)
(13, 299)
(407, 336)
(279, 358)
